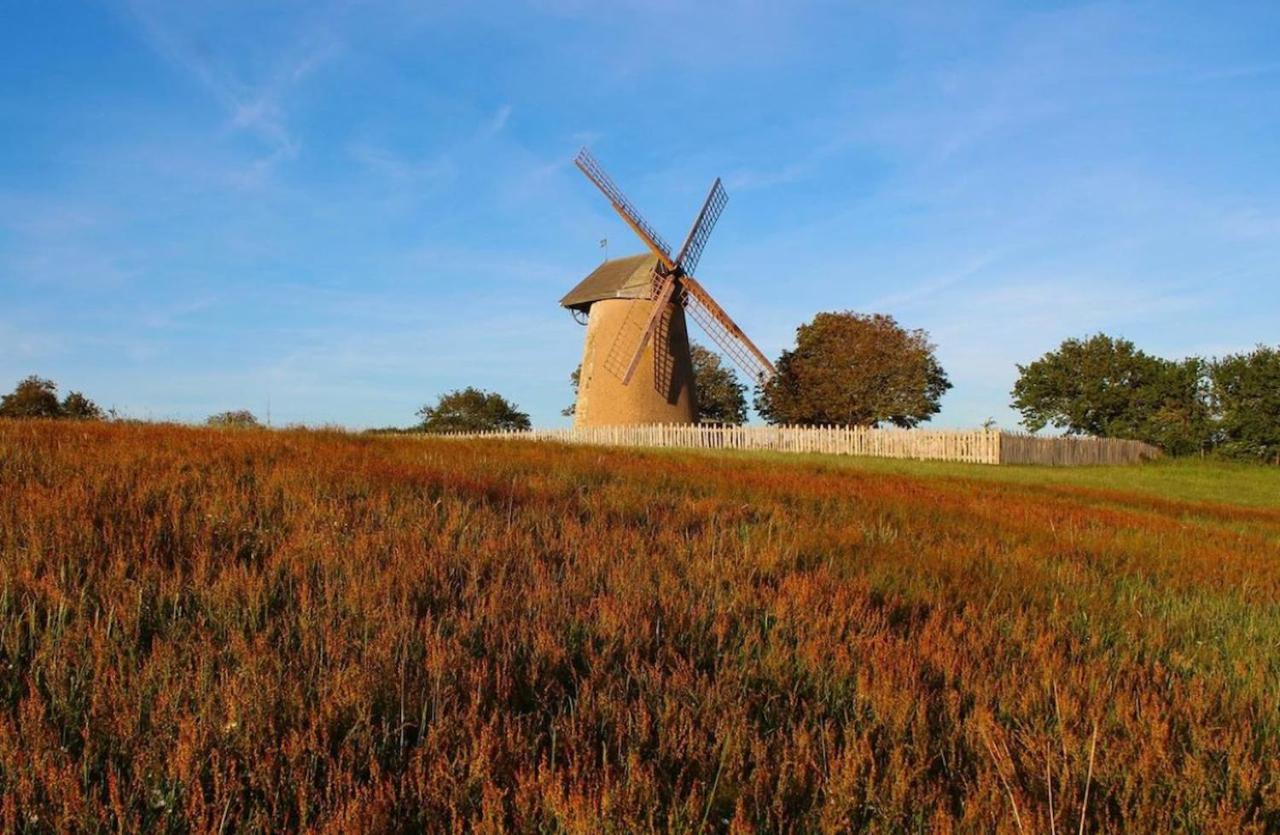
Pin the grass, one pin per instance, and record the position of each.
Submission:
(1192, 480)
(245, 630)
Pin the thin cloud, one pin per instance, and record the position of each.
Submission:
(401, 169)
(498, 121)
(255, 109)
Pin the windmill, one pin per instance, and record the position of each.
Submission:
(636, 366)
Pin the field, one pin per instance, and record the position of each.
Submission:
(234, 631)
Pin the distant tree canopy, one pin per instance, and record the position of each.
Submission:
(721, 398)
(36, 397)
(1106, 387)
(855, 369)
(471, 410)
(1246, 396)
(235, 419)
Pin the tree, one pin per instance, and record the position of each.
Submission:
(855, 369)
(472, 410)
(76, 406)
(1246, 392)
(34, 397)
(575, 380)
(721, 398)
(1173, 410)
(235, 419)
(1105, 387)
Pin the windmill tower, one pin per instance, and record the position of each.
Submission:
(636, 366)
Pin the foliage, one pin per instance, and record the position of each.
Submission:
(1105, 387)
(297, 630)
(855, 369)
(575, 380)
(1246, 393)
(235, 419)
(720, 397)
(36, 397)
(75, 406)
(471, 410)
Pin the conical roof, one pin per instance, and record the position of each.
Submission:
(621, 278)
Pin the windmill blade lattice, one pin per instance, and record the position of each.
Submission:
(628, 343)
(596, 174)
(715, 322)
(691, 252)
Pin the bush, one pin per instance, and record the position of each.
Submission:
(472, 410)
(236, 419)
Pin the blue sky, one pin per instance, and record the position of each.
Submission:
(347, 208)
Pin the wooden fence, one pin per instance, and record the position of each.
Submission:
(979, 446)
(1018, 448)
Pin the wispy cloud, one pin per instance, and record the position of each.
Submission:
(253, 107)
(401, 169)
(929, 288)
(498, 121)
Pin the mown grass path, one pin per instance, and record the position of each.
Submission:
(238, 630)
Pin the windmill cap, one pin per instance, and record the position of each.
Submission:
(620, 278)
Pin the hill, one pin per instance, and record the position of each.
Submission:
(246, 629)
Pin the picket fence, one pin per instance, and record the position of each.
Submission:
(979, 446)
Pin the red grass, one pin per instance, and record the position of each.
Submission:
(240, 630)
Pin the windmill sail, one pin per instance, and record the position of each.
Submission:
(718, 325)
(665, 291)
(596, 174)
(688, 258)
(691, 252)
(672, 279)
(628, 343)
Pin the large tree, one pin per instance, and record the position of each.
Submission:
(1246, 392)
(471, 410)
(721, 398)
(855, 369)
(36, 397)
(1106, 387)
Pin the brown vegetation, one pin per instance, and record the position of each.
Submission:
(254, 630)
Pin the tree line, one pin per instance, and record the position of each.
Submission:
(1106, 387)
(854, 369)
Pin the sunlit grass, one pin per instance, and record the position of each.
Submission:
(1185, 479)
(244, 630)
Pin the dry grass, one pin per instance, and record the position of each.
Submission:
(250, 630)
